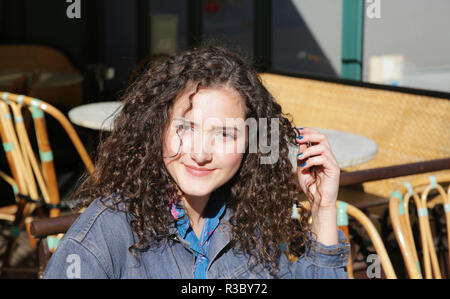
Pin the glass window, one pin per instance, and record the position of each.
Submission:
(306, 36)
(230, 22)
(168, 26)
(406, 43)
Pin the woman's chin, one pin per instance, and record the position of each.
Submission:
(194, 194)
(193, 188)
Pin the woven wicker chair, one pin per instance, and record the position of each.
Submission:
(420, 190)
(407, 128)
(31, 177)
(7, 212)
(344, 211)
(412, 132)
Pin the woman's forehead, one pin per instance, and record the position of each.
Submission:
(220, 102)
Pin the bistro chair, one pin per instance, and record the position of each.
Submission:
(34, 180)
(344, 210)
(7, 212)
(44, 229)
(428, 193)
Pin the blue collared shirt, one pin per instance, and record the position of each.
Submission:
(213, 211)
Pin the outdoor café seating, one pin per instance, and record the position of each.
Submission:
(353, 72)
(33, 180)
(430, 196)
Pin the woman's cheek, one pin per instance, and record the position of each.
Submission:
(231, 161)
(233, 146)
(174, 145)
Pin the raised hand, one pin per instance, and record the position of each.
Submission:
(319, 155)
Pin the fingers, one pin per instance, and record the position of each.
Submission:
(313, 136)
(321, 160)
(302, 147)
(313, 161)
(317, 154)
(308, 154)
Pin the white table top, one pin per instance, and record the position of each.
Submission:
(349, 149)
(96, 116)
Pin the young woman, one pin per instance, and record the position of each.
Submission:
(186, 187)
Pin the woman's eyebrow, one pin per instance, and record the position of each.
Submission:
(227, 128)
(187, 121)
(184, 120)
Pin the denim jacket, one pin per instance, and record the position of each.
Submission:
(96, 246)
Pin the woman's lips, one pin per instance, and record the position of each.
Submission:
(198, 171)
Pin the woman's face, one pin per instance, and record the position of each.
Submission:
(211, 139)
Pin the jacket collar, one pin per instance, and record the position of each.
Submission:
(219, 239)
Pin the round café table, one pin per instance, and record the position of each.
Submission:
(349, 149)
(95, 116)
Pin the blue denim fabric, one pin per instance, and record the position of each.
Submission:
(96, 246)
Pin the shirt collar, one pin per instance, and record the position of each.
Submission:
(214, 209)
(219, 240)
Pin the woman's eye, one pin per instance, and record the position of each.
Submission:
(228, 135)
(183, 127)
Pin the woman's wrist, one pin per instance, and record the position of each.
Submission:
(324, 225)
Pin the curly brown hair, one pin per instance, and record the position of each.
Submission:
(129, 167)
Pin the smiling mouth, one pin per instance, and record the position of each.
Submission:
(198, 171)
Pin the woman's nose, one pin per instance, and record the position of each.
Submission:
(202, 149)
(201, 158)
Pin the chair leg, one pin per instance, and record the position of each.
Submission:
(13, 237)
(44, 256)
(350, 262)
(33, 242)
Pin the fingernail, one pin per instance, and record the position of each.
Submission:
(299, 137)
(303, 164)
(300, 128)
(299, 154)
